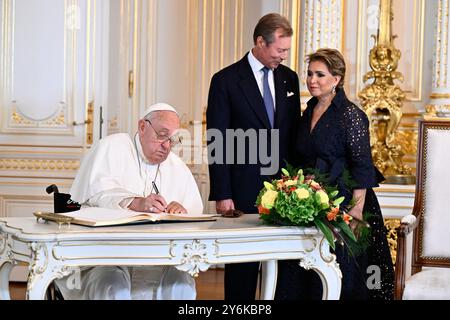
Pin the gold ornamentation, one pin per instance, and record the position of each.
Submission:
(407, 140)
(39, 164)
(58, 120)
(382, 100)
(430, 111)
(90, 123)
(17, 119)
(438, 111)
(391, 227)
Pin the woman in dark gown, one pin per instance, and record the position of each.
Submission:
(333, 137)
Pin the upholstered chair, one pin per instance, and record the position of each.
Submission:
(429, 222)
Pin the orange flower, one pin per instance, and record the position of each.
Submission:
(262, 210)
(280, 184)
(332, 214)
(315, 186)
(347, 218)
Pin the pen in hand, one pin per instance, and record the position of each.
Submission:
(157, 191)
(155, 187)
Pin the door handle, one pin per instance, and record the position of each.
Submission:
(89, 122)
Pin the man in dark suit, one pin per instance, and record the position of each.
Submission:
(253, 108)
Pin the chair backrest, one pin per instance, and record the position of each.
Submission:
(432, 237)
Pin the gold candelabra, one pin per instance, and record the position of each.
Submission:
(382, 101)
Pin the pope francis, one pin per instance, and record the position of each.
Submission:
(142, 174)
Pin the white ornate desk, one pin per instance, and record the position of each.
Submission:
(52, 252)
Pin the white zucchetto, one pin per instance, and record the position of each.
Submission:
(159, 107)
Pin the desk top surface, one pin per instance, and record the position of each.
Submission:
(28, 229)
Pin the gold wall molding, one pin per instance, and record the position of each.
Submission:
(39, 164)
(62, 182)
(440, 96)
(392, 190)
(292, 10)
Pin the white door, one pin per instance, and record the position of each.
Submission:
(52, 85)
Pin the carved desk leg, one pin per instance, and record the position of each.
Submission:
(269, 279)
(40, 275)
(324, 263)
(6, 264)
(5, 270)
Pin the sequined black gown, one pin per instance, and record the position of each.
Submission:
(340, 142)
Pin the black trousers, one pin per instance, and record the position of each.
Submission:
(241, 280)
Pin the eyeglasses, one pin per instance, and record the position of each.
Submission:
(173, 140)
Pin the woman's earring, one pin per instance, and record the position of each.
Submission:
(333, 91)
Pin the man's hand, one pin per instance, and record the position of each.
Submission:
(223, 206)
(175, 207)
(154, 203)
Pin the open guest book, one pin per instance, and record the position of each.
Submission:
(100, 217)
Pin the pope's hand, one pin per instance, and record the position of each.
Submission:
(175, 207)
(154, 203)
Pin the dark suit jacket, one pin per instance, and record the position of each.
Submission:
(235, 102)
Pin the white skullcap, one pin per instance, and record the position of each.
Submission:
(159, 107)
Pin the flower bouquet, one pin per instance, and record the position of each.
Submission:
(301, 200)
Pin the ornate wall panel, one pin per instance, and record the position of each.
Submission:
(52, 68)
(36, 85)
(21, 206)
(409, 26)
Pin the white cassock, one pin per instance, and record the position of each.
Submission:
(111, 175)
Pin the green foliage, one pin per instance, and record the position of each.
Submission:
(326, 231)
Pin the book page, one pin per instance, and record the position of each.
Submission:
(97, 214)
(105, 214)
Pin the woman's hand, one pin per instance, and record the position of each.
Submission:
(357, 211)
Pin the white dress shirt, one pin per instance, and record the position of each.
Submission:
(257, 66)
